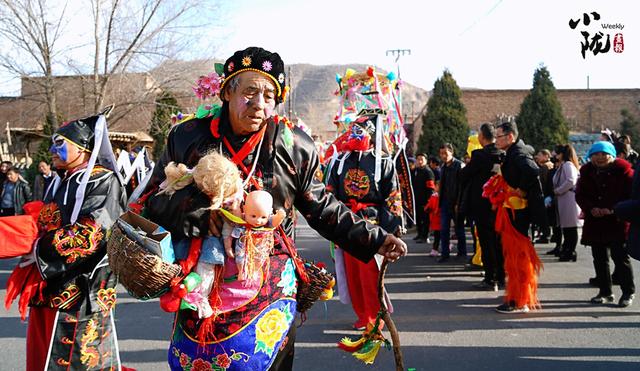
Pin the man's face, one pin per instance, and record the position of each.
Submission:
(4, 167)
(44, 168)
(66, 155)
(503, 140)
(433, 165)
(445, 155)
(252, 102)
(421, 161)
(12, 176)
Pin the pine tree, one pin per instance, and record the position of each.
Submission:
(540, 121)
(445, 120)
(166, 104)
(629, 125)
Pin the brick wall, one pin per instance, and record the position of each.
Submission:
(133, 95)
(586, 110)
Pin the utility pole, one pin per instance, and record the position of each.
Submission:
(290, 97)
(398, 53)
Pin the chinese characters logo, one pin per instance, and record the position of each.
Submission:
(596, 43)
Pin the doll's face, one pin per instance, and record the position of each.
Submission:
(255, 214)
(257, 208)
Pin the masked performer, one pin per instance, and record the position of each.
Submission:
(66, 276)
(352, 181)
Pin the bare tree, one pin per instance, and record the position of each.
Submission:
(31, 30)
(132, 36)
(138, 36)
(109, 38)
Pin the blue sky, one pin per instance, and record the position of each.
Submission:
(490, 44)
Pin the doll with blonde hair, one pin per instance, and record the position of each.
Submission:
(251, 223)
(218, 178)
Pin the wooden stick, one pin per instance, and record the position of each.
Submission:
(395, 337)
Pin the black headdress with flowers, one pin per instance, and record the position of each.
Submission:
(261, 61)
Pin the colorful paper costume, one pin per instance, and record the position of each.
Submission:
(363, 174)
(378, 93)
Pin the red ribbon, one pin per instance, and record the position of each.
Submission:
(357, 206)
(238, 158)
(248, 147)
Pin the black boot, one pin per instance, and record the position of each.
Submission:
(568, 252)
(568, 256)
(555, 251)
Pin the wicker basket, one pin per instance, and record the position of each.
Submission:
(308, 293)
(142, 273)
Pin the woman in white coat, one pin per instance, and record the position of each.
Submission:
(568, 211)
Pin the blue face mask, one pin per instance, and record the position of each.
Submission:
(59, 147)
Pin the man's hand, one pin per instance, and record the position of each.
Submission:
(392, 248)
(215, 223)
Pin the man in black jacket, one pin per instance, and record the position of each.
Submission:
(483, 165)
(525, 205)
(423, 186)
(448, 201)
(274, 156)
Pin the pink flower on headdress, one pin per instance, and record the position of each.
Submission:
(230, 66)
(266, 65)
(207, 86)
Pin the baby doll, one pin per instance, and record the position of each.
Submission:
(218, 178)
(254, 234)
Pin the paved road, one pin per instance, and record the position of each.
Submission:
(444, 324)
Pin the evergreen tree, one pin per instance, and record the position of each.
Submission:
(166, 104)
(540, 121)
(445, 120)
(630, 125)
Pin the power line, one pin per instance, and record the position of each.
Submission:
(481, 18)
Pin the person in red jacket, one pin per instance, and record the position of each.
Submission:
(604, 182)
(433, 209)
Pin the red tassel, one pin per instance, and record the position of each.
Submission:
(205, 331)
(521, 263)
(215, 301)
(27, 283)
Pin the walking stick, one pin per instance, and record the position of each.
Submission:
(395, 337)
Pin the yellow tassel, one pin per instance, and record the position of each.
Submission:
(368, 354)
(347, 343)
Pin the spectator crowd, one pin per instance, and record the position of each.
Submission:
(554, 196)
